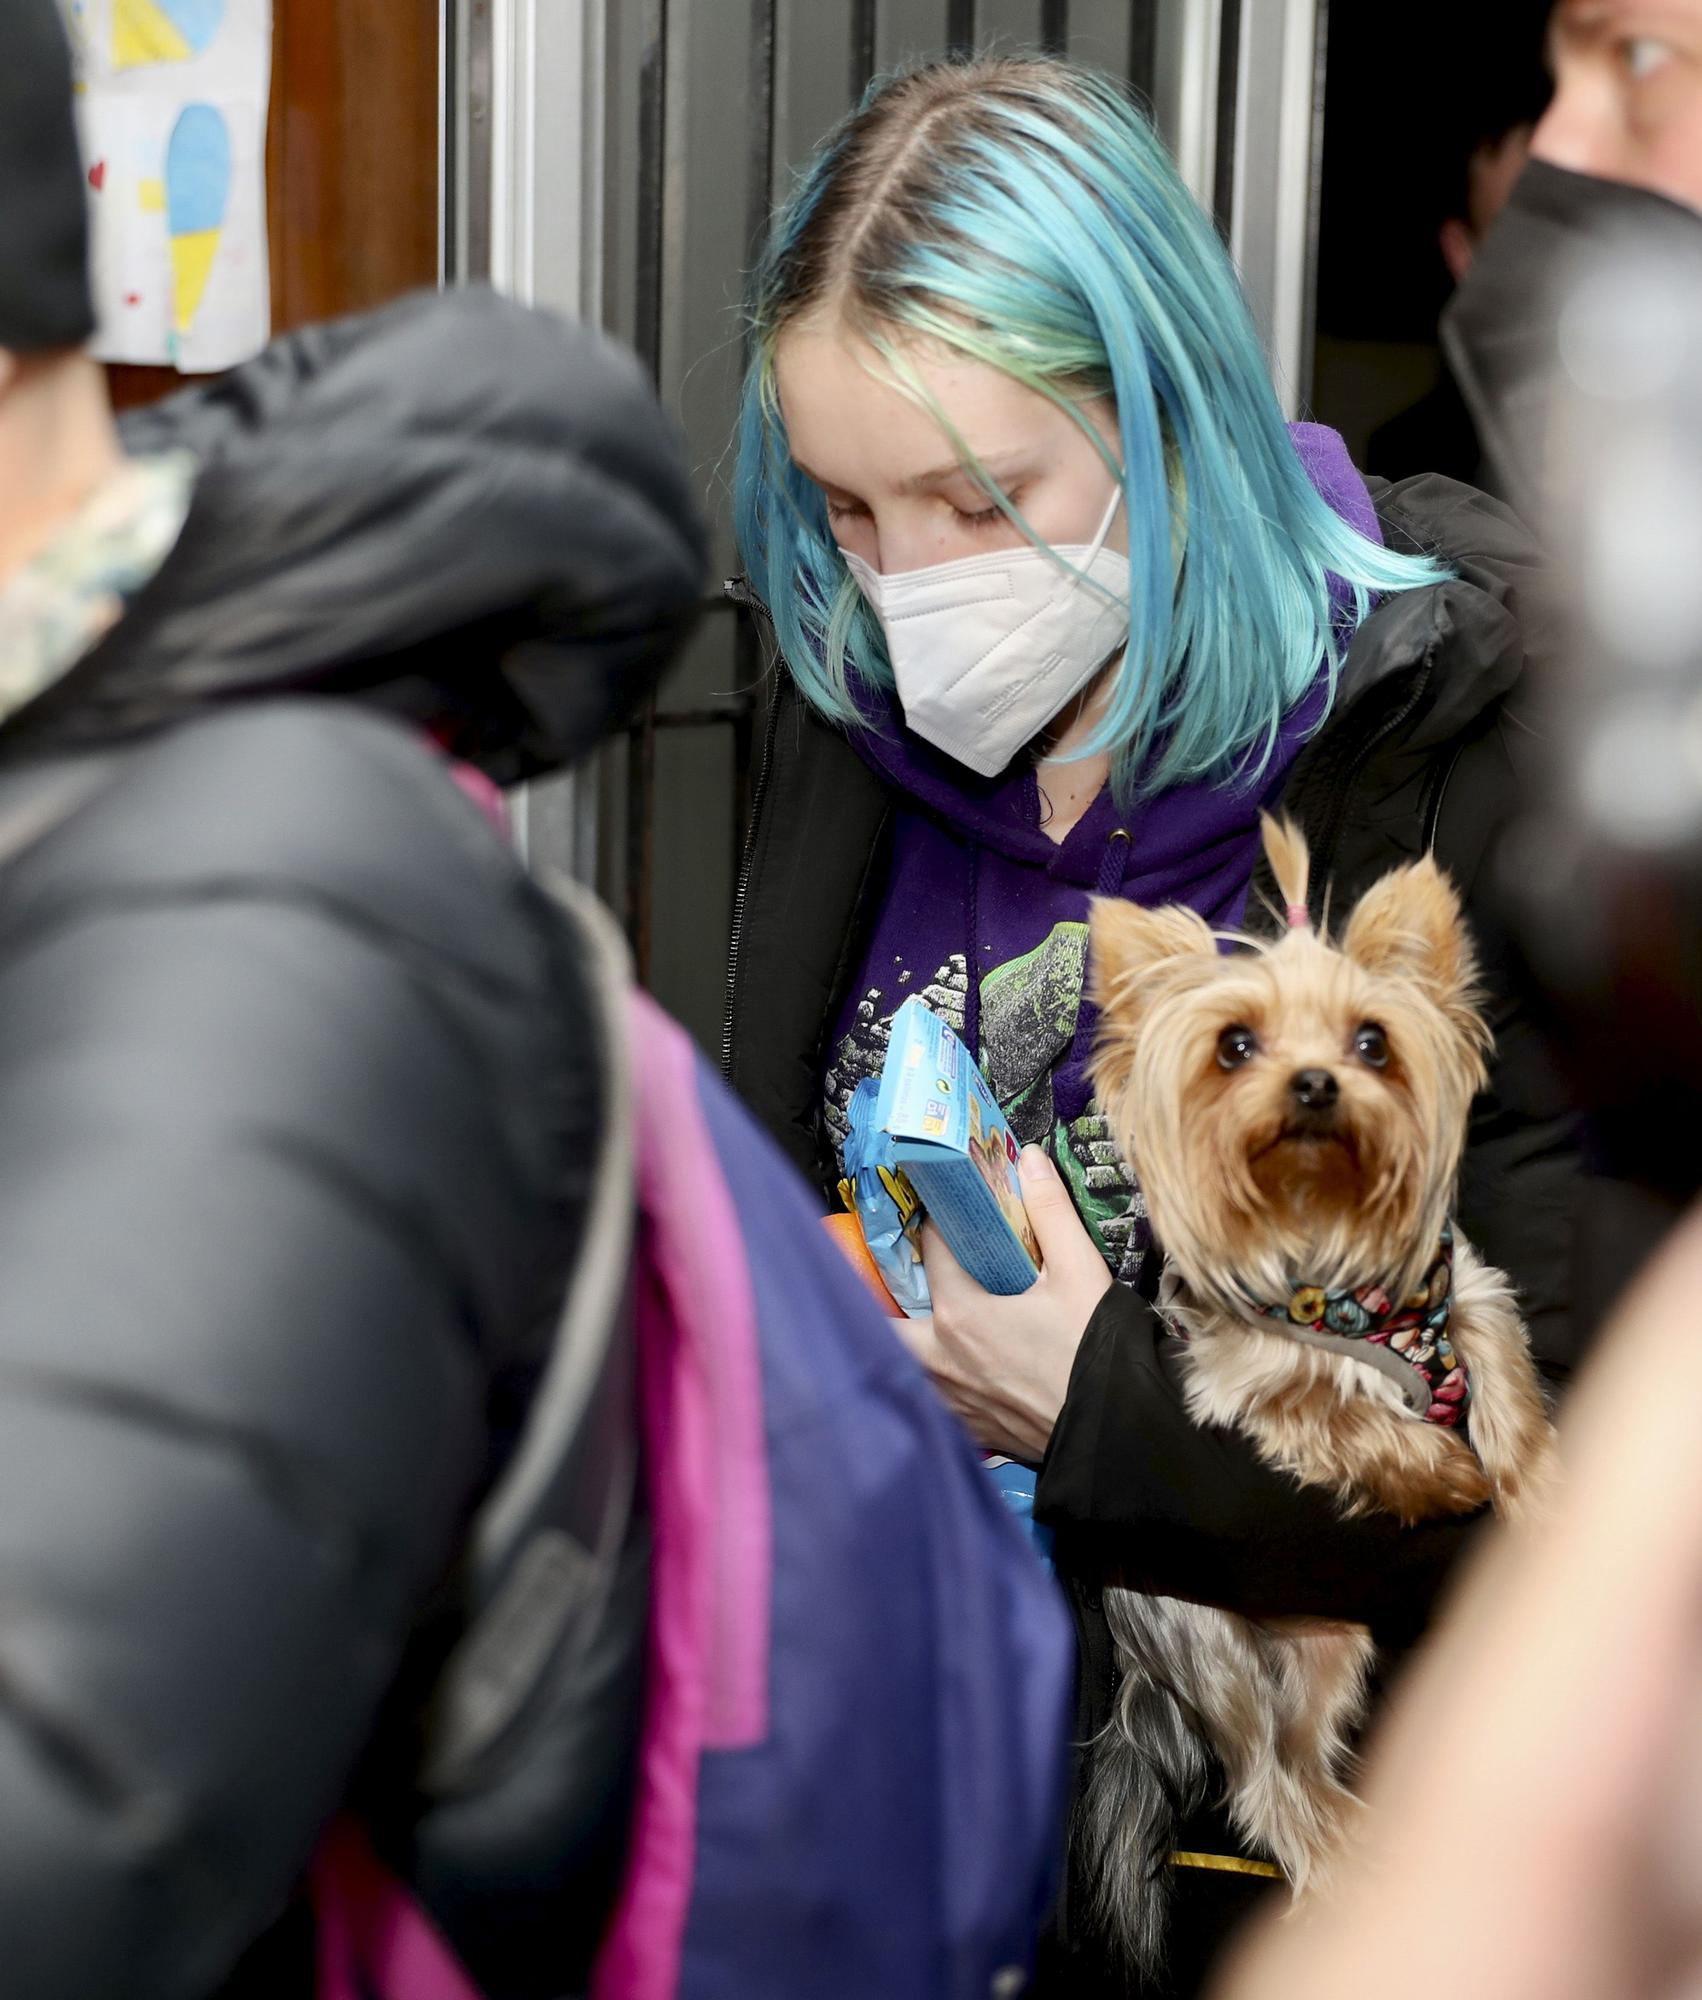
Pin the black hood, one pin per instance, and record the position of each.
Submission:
(45, 302)
(1459, 651)
(471, 514)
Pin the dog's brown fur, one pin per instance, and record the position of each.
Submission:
(1244, 1203)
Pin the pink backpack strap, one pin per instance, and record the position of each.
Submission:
(706, 1457)
(706, 1479)
(373, 1938)
(486, 794)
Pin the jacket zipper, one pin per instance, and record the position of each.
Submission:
(739, 592)
(1438, 793)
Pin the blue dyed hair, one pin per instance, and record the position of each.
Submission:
(1023, 213)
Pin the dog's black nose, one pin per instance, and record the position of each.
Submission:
(1314, 1089)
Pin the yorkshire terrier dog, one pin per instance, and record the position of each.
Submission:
(1295, 1115)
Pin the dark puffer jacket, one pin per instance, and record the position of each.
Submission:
(293, 1112)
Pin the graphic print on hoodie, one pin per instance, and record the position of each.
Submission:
(973, 878)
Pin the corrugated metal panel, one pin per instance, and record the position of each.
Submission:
(824, 54)
(1007, 25)
(907, 29)
(1106, 32)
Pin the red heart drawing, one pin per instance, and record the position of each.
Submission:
(132, 298)
(97, 176)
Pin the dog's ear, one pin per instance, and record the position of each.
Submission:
(1129, 943)
(1291, 866)
(1136, 955)
(1410, 926)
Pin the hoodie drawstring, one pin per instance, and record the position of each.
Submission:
(972, 962)
(1114, 863)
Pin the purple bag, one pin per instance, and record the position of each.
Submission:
(856, 1739)
(856, 1750)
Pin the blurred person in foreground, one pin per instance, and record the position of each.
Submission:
(1543, 1769)
(294, 1123)
(331, 1458)
(1616, 162)
(1620, 148)
(1549, 1751)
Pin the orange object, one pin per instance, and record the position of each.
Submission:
(847, 1232)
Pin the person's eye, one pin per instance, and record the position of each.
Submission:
(1644, 55)
(845, 510)
(1236, 1047)
(979, 512)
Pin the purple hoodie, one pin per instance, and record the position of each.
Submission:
(974, 878)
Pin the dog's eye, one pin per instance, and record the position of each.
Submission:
(1371, 1046)
(1236, 1046)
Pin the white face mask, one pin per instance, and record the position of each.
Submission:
(988, 650)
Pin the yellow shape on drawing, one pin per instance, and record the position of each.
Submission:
(191, 264)
(143, 33)
(150, 197)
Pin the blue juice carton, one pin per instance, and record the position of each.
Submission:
(888, 1209)
(930, 1138)
(927, 1138)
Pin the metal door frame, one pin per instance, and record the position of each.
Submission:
(1239, 96)
(523, 151)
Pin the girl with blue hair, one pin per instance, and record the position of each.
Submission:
(1061, 605)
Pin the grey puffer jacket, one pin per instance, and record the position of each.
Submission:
(294, 1116)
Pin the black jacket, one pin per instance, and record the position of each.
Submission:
(1420, 751)
(293, 1107)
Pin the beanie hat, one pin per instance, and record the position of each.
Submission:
(45, 300)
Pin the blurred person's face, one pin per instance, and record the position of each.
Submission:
(1628, 94)
(1495, 171)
